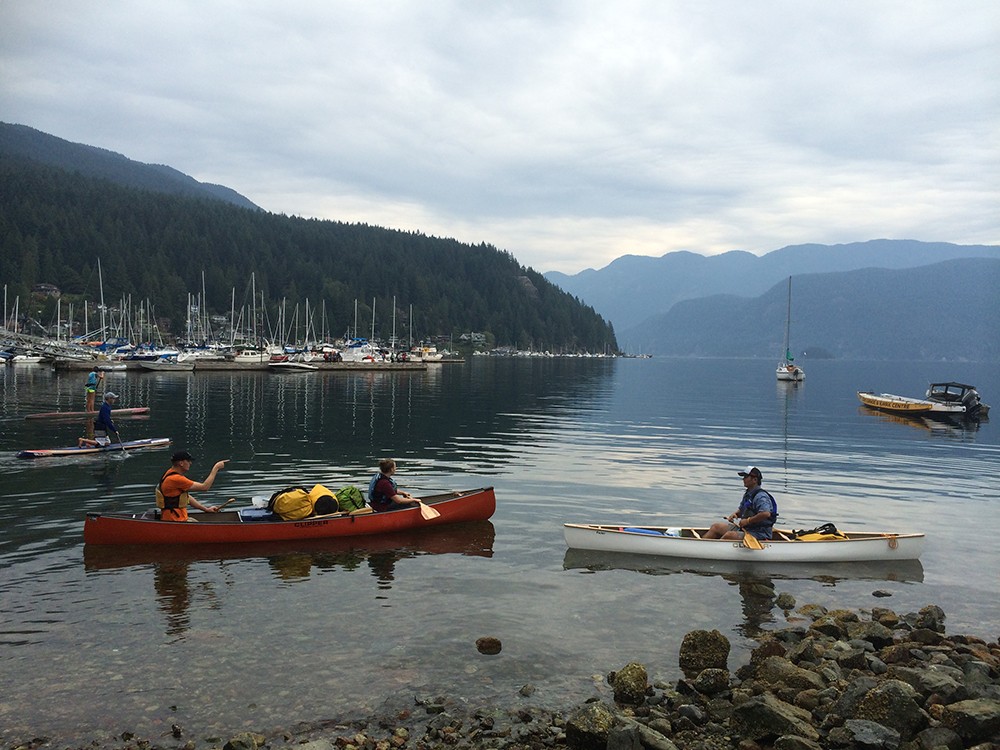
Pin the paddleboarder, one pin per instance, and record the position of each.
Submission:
(103, 425)
(93, 379)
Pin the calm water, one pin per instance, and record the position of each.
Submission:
(94, 642)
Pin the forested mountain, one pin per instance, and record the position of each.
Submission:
(634, 288)
(944, 311)
(56, 225)
(90, 161)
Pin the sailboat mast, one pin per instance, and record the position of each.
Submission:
(788, 323)
(100, 282)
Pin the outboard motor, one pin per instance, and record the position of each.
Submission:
(971, 402)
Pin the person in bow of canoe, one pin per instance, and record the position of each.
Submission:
(383, 492)
(90, 388)
(103, 425)
(756, 514)
(173, 492)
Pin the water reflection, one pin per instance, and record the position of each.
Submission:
(755, 582)
(289, 562)
(954, 427)
(788, 392)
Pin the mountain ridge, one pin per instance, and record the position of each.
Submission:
(633, 288)
(942, 311)
(93, 161)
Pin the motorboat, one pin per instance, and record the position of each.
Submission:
(947, 399)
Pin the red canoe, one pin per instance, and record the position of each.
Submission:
(231, 527)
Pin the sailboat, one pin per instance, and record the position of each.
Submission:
(787, 369)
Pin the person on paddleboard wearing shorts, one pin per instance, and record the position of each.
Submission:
(756, 514)
(90, 388)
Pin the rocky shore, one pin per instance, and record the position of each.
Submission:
(829, 679)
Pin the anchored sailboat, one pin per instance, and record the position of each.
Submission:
(787, 369)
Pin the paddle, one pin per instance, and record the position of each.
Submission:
(121, 442)
(230, 500)
(427, 511)
(749, 539)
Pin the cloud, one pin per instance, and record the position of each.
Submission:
(568, 133)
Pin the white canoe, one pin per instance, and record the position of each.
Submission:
(653, 540)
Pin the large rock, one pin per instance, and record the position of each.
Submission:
(703, 649)
(893, 703)
(629, 684)
(245, 741)
(933, 680)
(860, 733)
(930, 617)
(974, 720)
(765, 717)
(711, 681)
(588, 727)
(780, 672)
(875, 633)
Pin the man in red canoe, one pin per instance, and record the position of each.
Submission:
(173, 490)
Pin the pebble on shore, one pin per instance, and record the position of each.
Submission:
(838, 679)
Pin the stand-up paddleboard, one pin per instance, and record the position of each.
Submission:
(71, 414)
(128, 445)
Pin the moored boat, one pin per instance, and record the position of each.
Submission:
(250, 525)
(127, 445)
(290, 366)
(949, 399)
(857, 546)
(167, 364)
(787, 370)
(893, 403)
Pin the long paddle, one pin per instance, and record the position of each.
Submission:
(230, 500)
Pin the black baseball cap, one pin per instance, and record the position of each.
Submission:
(181, 456)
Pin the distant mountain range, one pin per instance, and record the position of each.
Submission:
(882, 299)
(945, 311)
(90, 161)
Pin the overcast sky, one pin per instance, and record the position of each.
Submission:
(568, 133)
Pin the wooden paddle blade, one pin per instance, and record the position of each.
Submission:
(428, 512)
(751, 541)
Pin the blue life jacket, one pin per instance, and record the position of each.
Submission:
(378, 500)
(746, 509)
